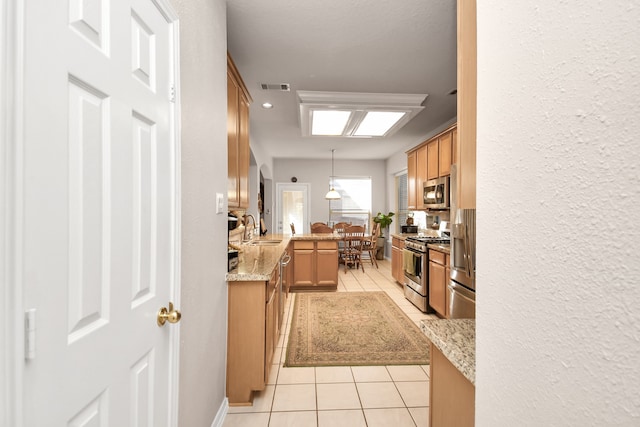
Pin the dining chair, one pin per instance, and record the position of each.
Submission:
(353, 240)
(321, 228)
(370, 244)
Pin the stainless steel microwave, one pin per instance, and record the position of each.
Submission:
(436, 193)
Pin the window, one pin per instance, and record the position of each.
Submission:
(401, 202)
(354, 205)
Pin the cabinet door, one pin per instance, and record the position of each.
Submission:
(451, 395)
(421, 174)
(396, 264)
(454, 146)
(444, 164)
(232, 141)
(271, 337)
(303, 267)
(437, 288)
(244, 153)
(432, 159)
(411, 180)
(327, 266)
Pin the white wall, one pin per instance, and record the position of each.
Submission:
(317, 172)
(558, 214)
(204, 240)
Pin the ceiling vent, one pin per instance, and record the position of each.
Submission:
(282, 87)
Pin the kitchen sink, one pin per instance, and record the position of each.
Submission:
(264, 242)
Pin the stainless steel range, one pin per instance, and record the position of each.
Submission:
(415, 261)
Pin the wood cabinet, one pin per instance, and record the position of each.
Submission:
(451, 395)
(238, 150)
(429, 160)
(397, 245)
(315, 264)
(444, 154)
(253, 329)
(412, 179)
(447, 278)
(437, 282)
(467, 94)
(433, 158)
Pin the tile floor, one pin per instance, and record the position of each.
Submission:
(350, 396)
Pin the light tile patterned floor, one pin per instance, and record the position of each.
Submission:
(350, 396)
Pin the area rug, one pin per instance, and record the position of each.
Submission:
(353, 328)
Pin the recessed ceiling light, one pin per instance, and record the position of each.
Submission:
(267, 105)
(360, 115)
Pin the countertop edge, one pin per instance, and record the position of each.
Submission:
(455, 338)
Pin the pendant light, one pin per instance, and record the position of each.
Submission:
(332, 194)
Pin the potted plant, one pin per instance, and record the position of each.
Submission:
(384, 221)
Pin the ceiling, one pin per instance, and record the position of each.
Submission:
(378, 46)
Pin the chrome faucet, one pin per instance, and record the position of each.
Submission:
(246, 226)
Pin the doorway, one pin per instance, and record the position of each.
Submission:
(292, 207)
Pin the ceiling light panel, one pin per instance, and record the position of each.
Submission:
(368, 115)
(378, 123)
(329, 122)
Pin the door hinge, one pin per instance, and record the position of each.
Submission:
(172, 93)
(30, 334)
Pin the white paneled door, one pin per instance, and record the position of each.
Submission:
(100, 202)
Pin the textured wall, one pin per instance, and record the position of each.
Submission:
(204, 238)
(558, 225)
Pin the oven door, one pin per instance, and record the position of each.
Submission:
(413, 266)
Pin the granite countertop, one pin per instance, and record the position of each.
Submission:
(403, 236)
(456, 339)
(257, 261)
(442, 247)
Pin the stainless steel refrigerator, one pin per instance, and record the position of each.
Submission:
(462, 284)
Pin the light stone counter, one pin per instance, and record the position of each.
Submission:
(446, 248)
(456, 339)
(403, 236)
(257, 261)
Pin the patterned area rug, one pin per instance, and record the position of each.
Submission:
(353, 328)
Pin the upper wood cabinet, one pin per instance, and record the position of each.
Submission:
(467, 84)
(429, 160)
(238, 100)
(444, 154)
(412, 180)
(433, 158)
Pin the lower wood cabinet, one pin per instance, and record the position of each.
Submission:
(315, 265)
(253, 322)
(397, 245)
(451, 395)
(438, 279)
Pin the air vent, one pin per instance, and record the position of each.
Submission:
(282, 87)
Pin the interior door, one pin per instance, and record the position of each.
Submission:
(100, 176)
(292, 207)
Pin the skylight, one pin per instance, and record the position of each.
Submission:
(378, 123)
(356, 115)
(329, 122)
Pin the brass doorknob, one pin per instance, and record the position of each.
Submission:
(168, 315)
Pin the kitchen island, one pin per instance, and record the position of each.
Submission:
(452, 371)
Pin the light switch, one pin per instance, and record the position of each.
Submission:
(219, 203)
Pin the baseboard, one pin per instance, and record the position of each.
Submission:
(222, 414)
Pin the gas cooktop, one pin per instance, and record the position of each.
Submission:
(430, 239)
